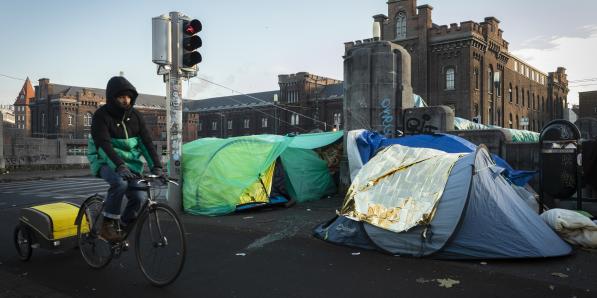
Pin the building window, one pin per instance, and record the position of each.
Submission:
(246, 123)
(70, 120)
(294, 119)
(523, 97)
(476, 73)
(497, 83)
(57, 120)
(263, 122)
(516, 66)
(337, 121)
(214, 125)
(229, 124)
(401, 25)
(517, 122)
(87, 119)
(517, 96)
(510, 92)
(510, 122)
(450, 78)
(528, 99)
(490, 80)
(200, 126)
(491, 118)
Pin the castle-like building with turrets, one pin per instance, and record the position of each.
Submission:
(468, 67)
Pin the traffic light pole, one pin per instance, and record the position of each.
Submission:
(174, 119)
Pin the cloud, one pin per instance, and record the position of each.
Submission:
(575, 52)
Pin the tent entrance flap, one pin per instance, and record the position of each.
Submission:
(259, 191)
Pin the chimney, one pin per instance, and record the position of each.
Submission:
(44, 84)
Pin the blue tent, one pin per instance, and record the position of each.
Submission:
(479, 216)
(369, 143)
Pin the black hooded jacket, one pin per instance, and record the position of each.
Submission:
(112, 121)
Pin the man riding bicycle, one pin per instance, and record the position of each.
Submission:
(119, 138)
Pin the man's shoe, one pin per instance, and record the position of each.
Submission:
(108, 231)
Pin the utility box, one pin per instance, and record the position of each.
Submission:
(428, 120)
(161, 51)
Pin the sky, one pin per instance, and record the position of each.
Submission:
(247, 44)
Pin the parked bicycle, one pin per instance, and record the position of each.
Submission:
(160, 243)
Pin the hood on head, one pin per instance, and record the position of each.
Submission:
(115, 87)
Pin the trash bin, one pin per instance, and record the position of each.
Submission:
(560, 161)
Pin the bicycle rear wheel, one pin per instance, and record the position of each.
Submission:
(95, 251)
(160, 244)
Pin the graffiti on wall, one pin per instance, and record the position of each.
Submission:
(25, 159)
(420, 125)
(387, 117)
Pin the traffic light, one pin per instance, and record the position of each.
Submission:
(189, 43)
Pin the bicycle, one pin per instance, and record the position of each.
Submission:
(159, 232)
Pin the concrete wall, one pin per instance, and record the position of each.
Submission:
(40, 153)
(377, 86)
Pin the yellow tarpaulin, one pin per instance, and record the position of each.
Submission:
(63, 219)
(399, 188)
(259, 191)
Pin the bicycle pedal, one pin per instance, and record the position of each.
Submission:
(125, 245)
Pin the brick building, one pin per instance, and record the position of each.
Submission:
(62, 111)
(468, 67)
(21, 108)
(587, 104)
(304, 102)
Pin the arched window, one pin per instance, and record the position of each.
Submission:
(523, 97)
(510, 92)
(87, 119)
(450, 78)
(528, 99)
(510, 122)
(401, 25)
(517, 96)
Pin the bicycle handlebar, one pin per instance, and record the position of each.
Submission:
(164, 179)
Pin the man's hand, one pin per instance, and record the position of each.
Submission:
(125, 173)
(157, 171)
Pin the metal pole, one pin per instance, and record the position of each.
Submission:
(174, 119)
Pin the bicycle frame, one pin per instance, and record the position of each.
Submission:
(150, 201)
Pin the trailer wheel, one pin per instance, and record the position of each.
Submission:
(22, 238)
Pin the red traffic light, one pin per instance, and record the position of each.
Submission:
(192, 27)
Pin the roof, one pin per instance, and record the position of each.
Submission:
(253, 99)
(142, 100)
(332, 91)
(231, 102)
(26, 90)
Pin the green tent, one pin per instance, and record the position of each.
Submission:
(221, 174)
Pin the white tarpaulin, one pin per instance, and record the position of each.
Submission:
(399, 188)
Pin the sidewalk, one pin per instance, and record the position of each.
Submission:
(21, 175)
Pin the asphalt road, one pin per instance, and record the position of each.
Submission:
(270, 253)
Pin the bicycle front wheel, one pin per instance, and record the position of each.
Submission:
(95, 251)
(160, 244)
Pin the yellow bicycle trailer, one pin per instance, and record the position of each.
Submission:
(48, 226)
